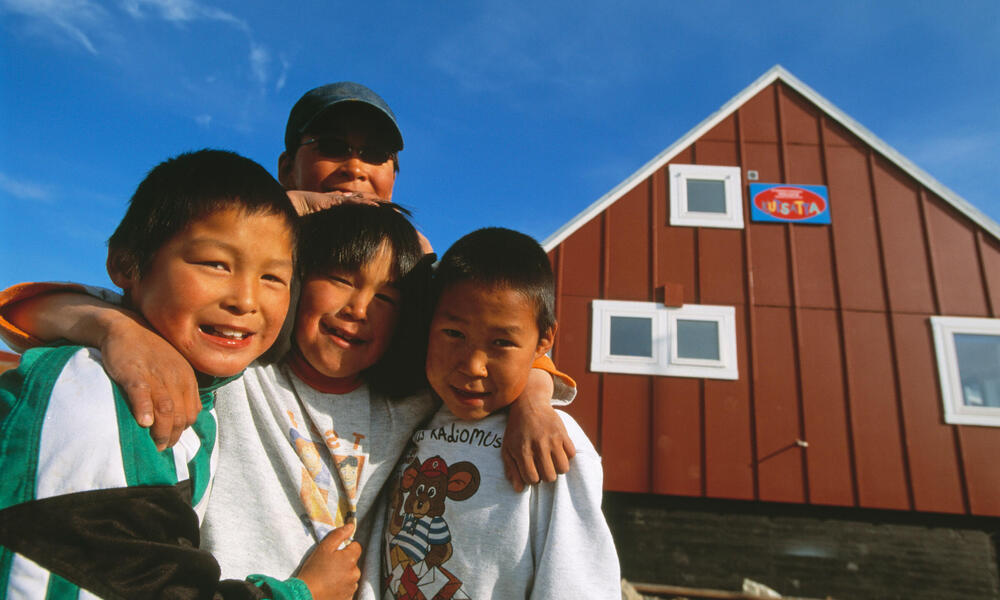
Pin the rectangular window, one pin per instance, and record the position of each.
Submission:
(650, 339)
(706, 196)
(968, 357)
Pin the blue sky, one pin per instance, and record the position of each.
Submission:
(513, 114)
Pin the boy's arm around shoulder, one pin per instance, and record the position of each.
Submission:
(33, 314)
(158, 382)
(536, 446)
(575, 555)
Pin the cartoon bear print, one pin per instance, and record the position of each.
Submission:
(419, 531)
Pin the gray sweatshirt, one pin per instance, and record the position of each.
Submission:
(455, 528)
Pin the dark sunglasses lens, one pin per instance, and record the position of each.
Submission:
(374, 156)
(333, 147)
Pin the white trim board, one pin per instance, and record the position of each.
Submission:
(774, 73)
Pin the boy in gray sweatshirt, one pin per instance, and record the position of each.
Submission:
(455, 528)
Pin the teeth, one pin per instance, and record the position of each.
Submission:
(226, 332)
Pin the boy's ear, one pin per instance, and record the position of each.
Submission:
(285, 165)
(546, 340)
(122, 268)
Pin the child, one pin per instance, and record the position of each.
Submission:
(455, 529)
(310, 441)
(205, 255)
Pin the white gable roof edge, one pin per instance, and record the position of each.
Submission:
(775, 72)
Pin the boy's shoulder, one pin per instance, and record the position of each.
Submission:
(40, 369)
(575, 432)
(68, 422)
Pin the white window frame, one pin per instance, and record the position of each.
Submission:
(955, 410)
(601, 358)
(679, 213)
(664, 340)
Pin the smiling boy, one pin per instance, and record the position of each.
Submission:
(455, 529)
(87, 502)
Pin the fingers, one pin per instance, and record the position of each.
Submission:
(176, 404)
(331, 572)
(160, 386)
(560, 457)
(569, 448)
(560, 452)
(163, 420)
(525, 461)
(298, 202)
(140, 403)
(511, 472)
(336, 538)
(545, 461)
(310, 202)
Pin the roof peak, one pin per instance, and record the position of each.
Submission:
(770, 76)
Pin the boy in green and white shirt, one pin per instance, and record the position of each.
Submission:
(88, 505)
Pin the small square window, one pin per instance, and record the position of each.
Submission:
(632, 336)
(697, 340)
(652, 339)
(968, 357)
(706, 196)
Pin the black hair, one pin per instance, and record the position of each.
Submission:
(189, 187)
(349, 236)
(503, 258)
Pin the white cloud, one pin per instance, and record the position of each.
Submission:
(26, 190)
(182, 11)
(70, 17)
(203, 120)
(260, 58)
(282, 76)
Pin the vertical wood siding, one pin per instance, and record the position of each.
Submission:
(833, 337)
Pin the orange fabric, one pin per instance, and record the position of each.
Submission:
(14, 336)
(545, 363)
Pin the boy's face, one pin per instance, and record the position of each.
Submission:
(310, 171)
(218, 291)
(482, 343)
(346, 319)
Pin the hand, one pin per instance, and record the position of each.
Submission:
(332, 573)
(310, 202)
(535, 446)
(160, 386)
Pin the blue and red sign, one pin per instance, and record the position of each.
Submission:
(788, 203)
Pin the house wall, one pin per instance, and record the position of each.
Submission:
(833, 338)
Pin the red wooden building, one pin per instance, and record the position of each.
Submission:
(790, 361)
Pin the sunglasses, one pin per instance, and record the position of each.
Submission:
(337, 148)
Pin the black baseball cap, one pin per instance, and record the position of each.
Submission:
(318, 100)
